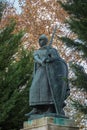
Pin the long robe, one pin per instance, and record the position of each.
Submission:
(43, 80)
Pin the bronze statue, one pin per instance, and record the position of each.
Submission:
(49, 88)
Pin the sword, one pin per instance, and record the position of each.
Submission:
(50, 43)
(54, 31)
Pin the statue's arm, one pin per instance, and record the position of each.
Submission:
(38, 60)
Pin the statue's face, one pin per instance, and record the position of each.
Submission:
(42, 42)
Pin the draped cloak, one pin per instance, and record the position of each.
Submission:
(50, 84)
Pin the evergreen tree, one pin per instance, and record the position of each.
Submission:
(77, 22)
(3, 5)
(15, 78)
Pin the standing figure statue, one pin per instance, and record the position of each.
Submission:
(49, 88)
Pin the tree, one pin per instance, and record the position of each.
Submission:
(38, 17)
(3, 5)
(16, 64)
(15, 78)
(77, 9)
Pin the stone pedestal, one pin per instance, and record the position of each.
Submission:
(50, 123)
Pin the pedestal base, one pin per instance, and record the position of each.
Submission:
(50, 123)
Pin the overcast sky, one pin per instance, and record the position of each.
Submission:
(15, 4)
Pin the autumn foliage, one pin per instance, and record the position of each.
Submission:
(39, 17)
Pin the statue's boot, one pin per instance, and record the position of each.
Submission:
(34, 111)
(50, 110)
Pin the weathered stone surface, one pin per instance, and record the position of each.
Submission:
(50, 123)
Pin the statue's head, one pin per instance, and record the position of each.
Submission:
(43, 40)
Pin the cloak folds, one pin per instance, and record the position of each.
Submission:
(57, 74)
(40, 93)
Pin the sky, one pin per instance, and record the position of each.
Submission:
(15, 3)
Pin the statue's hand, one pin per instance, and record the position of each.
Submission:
(43, 63)
(40, 61)
(48, 60)
(44, 60)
